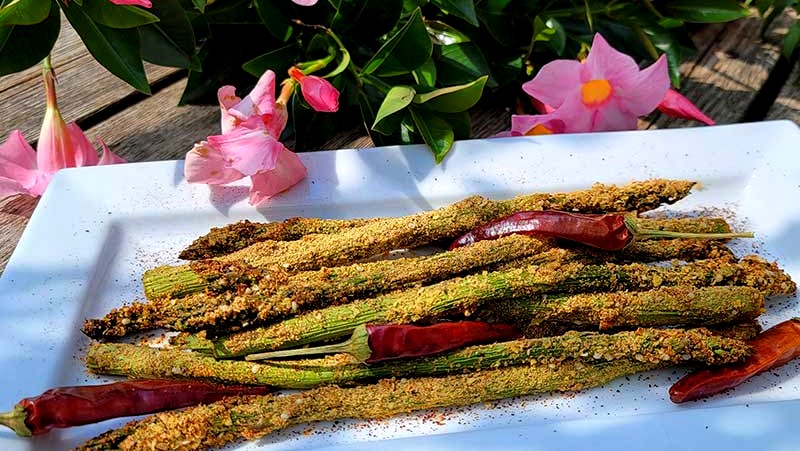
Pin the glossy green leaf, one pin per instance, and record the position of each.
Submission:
(117, 16)
(200, 5)
(274, 19)
(405, 51)
(705, 11)
(464, 9)
(278, 60)
(24, 12)
(443, 34)
(558, 40)
(365, 19)
(23, 46)
(669, 22)
(791, 41)
(115, 49)
(437, 133)
(494, 14)
(453, 99)
(425, 75)
(170, 42)
(462, 63)
(396, 100)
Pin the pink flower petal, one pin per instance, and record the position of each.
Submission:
(18, 160)
(577, 117)
(108, 156)
(555, 81)
(260, 101)
(320, 94)
(142, 3)
(676, 105)
(84, 152)
(228, 99)
(248, 151)
(206, 164)
(606, 63)
(288, 171)
(54, 150)
(10, 187)
(523, 124)
(305, 2)
(640, 92)
(613, 118)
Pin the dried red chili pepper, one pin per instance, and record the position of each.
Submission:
(611, 232)
(772, 348)
(374, 343)
(74, 406)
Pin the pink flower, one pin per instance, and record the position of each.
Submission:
(318, 92)
(676, 105)
(142, 3)
(23, 171)
(249, 145)
(305, 2)
(537, 124)
(605, 92)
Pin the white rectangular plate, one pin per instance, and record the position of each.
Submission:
(96, 230)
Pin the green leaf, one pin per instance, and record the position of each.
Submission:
(791, 41)
(495, 17)
(437, 133)
(405, 51)
(705, 11)
(558, 41)
(170, 42)
(425, 75)
(115, 49)
(443, 34)
(278, 60)
(274, 19)
(23, 46)
(464, 9)
(117, 16)
(453, 99)
(363, 20)
(396, 99)
(462, 63)
(24, 12)
(669, 22)
(200, 5)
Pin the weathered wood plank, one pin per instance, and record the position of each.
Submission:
(14, 215)
(787, 105)
(726, 79)
(84, 87)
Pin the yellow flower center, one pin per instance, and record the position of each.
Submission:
(539, 129)
(596, 92)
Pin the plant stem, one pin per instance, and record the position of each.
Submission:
(645, 345)
(462, 297)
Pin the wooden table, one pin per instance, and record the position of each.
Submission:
(735, 77)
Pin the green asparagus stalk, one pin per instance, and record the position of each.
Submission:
(466, 295)
(375, 238)
(645, 345)
(236, 419)
(639, 196)
(280, 295)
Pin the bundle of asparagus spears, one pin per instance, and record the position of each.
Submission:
(586, 316)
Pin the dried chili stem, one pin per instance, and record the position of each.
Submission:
(646, 345)
(465, 295)
(637, 196)
(375, 238)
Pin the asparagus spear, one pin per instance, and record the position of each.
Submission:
(280, 294)
(375, 238)
(645, 345)
(236, 419)
(465, 295)
(640, 196)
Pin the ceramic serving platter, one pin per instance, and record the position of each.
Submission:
(96, 230)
